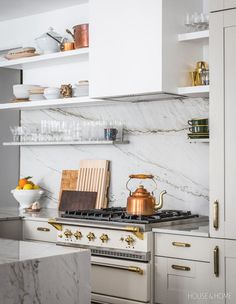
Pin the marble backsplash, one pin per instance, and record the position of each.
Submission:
(158, 144)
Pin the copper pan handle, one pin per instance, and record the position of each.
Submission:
(141, 176)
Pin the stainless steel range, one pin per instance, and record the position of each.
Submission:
(121, 247)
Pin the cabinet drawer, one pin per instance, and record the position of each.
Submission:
(39, 231)
(184, 247)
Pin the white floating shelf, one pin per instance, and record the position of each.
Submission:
(55, 103)
(200, 140)
(67, 143)
(37, 60)
(195, 91)
(194, 36)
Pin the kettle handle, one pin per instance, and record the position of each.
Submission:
(141, 176)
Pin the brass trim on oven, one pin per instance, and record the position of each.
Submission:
(180, 244)
(182, 268)
(135, 269)
(135, 230)
(55, 224)
(43, 229)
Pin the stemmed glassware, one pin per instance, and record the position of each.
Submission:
(65, 131)
(196, 22)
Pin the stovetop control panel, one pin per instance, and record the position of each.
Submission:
(106, 238)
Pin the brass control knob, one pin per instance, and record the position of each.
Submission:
(91, 236)
(104, 238)
(129, 240)
(68, 233)
(78, 235)
(60, 236)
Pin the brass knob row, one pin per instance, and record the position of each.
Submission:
(91, 236)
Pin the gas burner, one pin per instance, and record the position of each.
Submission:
(118, 214)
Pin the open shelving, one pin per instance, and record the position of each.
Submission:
(35, 61)
(200, 140)
(194, 36)
(67, 143)
(195, 91)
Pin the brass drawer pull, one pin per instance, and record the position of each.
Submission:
(183, 268)
(179, 244)
(43, 229)
(216, 261)
(216, 215)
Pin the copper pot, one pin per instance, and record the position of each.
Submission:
(142, 202)
(81, 35)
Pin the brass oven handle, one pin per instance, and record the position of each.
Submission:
(135, 269)
(216, 261)
(182, 268)
(180, 244)
(43, 229)
(216, 215)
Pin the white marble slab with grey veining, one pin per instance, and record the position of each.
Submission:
(42, 273)
(158, 144)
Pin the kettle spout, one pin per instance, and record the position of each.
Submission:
(160, 204)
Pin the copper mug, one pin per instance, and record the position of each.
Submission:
(81, 34)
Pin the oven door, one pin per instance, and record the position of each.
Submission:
(119, 281)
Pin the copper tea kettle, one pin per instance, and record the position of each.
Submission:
(141, 202)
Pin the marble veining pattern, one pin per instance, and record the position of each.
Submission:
(158, 144)
(32, 274)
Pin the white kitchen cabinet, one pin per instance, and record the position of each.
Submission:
(11, 229)
(217, 5)
(134, 47)
(38, 231)
(187, 280)
(222, 125)
(230, 266)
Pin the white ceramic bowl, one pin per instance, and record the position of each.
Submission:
(27, 197)
(52, 93)
(36, 97)
(21, 91)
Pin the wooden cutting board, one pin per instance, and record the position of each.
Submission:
(77, 200)
(94, 176)
(69, 180)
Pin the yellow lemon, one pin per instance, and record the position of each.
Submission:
(18, 188)
(36, 187)
(28, 187)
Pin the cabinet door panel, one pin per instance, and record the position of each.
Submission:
(230, 129)
(217, 122)
(230, 268)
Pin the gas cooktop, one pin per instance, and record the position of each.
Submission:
(118, 214)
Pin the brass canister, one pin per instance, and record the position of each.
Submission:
(81, 34)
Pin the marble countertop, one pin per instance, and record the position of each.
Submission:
(19, 251)
(196, 228)
(13, 214)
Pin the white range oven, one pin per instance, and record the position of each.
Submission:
(121, 249)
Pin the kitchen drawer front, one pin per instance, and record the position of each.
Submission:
(184, 247)
(39, 231)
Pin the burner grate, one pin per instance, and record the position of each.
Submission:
(118, 214)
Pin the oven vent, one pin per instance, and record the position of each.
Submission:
(122, 255)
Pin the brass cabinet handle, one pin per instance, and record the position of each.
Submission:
(43, 229)
(135, 269)
(216, 215)
(216, 261)
(179, 244)
(179, 267)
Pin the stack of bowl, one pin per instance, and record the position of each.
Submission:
(36, 93)
(199, 128)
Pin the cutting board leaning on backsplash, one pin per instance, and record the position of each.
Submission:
(93, 176)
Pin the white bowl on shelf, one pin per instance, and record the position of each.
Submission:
(21, 91)
(52, 93)
(27, 197)
(34, 97)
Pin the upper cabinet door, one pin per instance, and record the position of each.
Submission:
(223, 124)
(217, 5)
(125, 47)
